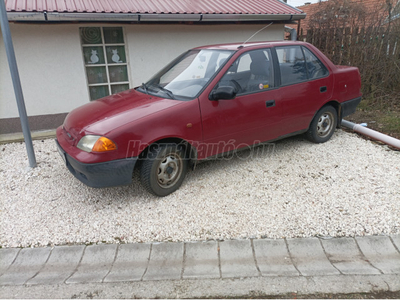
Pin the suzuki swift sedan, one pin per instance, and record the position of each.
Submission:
(209, 101)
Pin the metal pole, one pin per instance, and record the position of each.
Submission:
(12, 63)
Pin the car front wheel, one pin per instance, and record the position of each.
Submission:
(164, 169)
(323, 125)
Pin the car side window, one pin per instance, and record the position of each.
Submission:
(292, 64)
(315, 67)
(251, 72)
(244, 63)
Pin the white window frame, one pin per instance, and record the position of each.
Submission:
(106, 64)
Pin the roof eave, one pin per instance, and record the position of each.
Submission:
(146, 17)
(251, 17)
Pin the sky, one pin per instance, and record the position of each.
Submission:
(300, 2)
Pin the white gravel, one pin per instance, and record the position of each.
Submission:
(345, 187)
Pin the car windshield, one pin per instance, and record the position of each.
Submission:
(186, 77)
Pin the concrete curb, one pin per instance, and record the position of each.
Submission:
(252, 287)
(304, 265)
(19, 137)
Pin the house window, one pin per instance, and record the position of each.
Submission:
(105, 60)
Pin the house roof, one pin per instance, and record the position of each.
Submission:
(193, 10)
(310, 10)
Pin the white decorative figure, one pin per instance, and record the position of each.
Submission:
(94, 58)
(115, 57)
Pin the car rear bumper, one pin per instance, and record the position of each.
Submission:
(99, 175)
(349, 107)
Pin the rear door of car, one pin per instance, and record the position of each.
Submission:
(305, 86)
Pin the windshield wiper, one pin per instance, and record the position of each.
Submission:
(169, 93)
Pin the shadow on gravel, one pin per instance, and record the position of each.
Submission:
(241, 157)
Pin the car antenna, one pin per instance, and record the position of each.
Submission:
(255, 34)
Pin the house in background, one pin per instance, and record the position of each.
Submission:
(375, 11)
(72, 52)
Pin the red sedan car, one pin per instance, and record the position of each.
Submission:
(209, 101)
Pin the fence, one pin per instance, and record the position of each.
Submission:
(374, 50)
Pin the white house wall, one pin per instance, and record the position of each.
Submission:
(49, 59)
(51, 66)
(151, 47)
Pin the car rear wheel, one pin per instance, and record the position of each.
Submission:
(323, 125)
(164, 169)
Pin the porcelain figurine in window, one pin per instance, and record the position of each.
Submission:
(115, 57)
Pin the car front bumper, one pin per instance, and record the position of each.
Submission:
(99, 175)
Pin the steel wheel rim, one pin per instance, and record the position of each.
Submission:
(169, 170)
(325, 124)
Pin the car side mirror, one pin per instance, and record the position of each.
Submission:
(223, 93)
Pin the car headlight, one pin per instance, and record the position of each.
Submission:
(96, 143)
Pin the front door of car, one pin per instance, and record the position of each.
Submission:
(253, 116)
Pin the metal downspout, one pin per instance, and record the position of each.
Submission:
(372, 134)
(293, 33)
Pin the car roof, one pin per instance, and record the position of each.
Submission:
(236, 46)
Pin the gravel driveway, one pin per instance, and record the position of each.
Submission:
(345, 187)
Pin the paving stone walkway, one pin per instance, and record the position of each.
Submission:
(111, 263)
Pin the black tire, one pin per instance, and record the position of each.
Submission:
(164, 169)
(323, 125)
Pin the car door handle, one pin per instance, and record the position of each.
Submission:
(323, 89)
(270, 103)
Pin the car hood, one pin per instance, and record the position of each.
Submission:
(103, 115)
